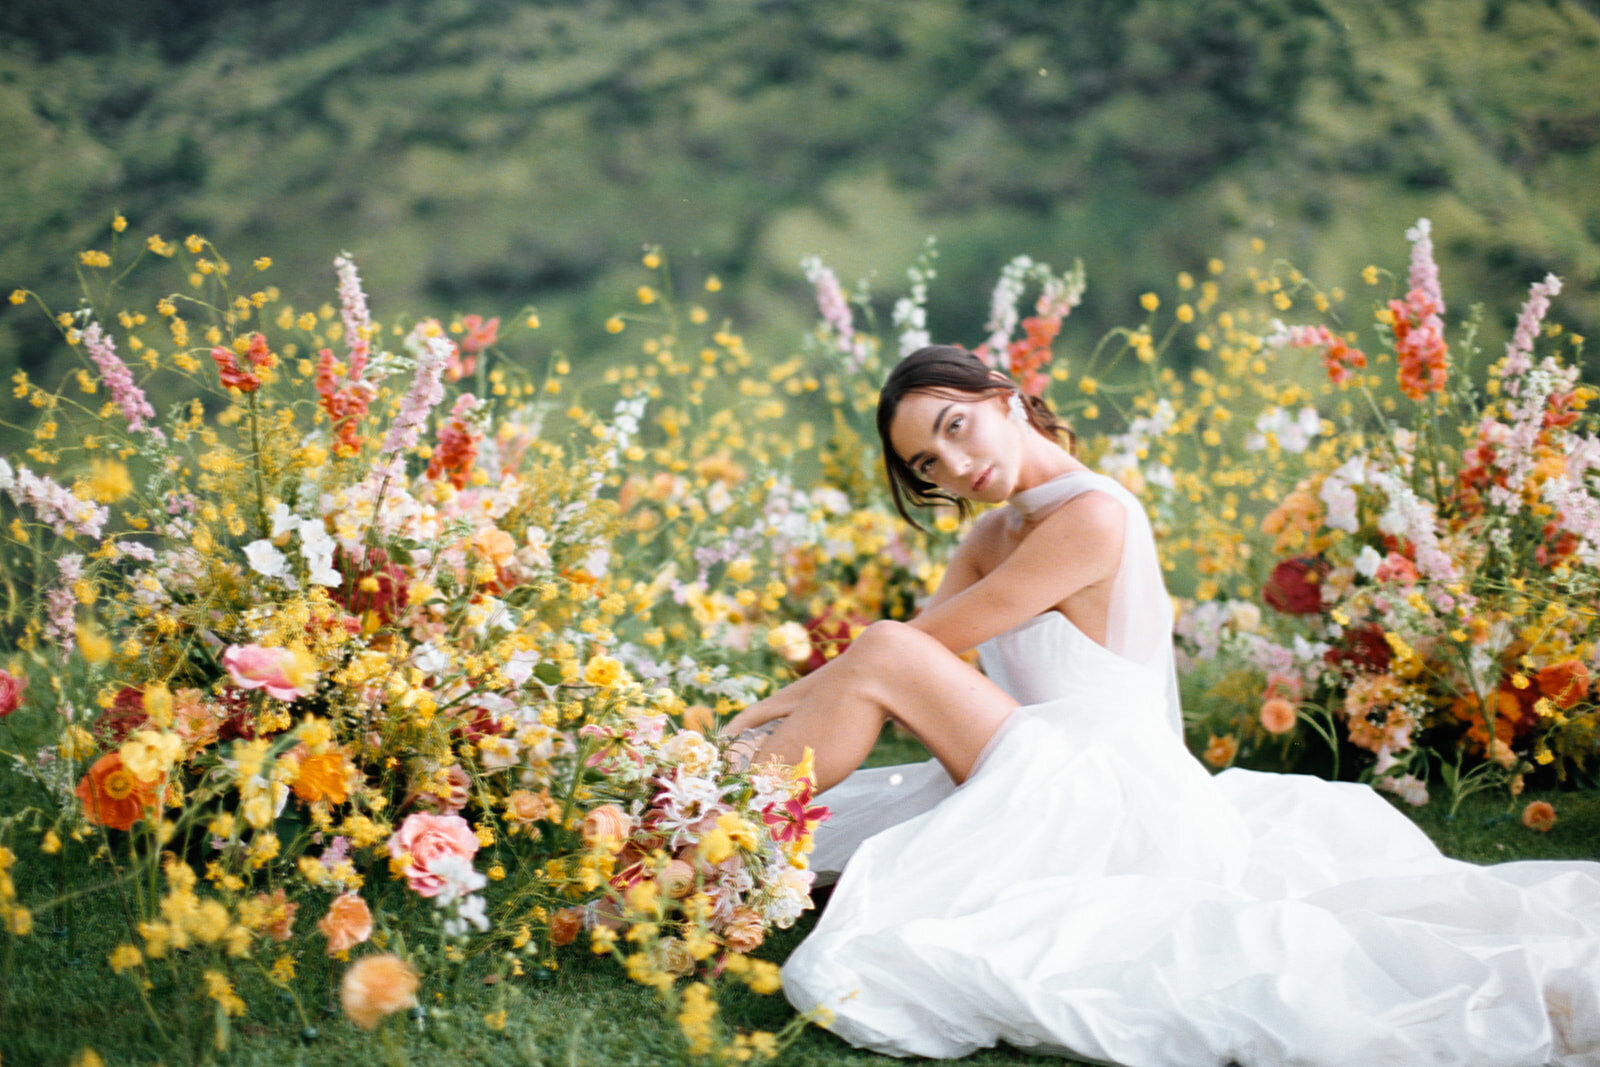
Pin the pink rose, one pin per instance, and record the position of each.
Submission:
(432, 842)
(11, 689)
(285, 673)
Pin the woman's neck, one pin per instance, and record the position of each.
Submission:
(1043, 460)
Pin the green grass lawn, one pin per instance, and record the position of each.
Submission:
(58, 997)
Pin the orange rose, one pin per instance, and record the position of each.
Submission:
(1278, 716)
(347, 924)
(607, 826)
(111, 794)
(564, 926)
(323, 777)
(676, 879)
(1539, 815)
(1565, 683)
(376, 986)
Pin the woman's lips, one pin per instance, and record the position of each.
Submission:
(982, 480)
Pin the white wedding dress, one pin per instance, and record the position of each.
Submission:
(1091, 890)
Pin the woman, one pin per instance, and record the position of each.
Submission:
(1065, 876)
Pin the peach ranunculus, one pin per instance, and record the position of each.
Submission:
(285, 673)
(325, 776)
(524, 806)
(112, 795)
(1278, 715)
(347, 924)
(425, 840)
(744, 930)
(676, 879)
(376, 986)
(1539, 815)
(12, 687)
(607, 826)
(1565, 683)
(700, 718)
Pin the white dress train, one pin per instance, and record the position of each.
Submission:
(1091, 890)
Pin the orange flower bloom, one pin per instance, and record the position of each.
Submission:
(1565, 683)
(323, 777)
(1221, 751)
(607, 826)
(376, 986)
(1539, 815)
(564, 926)
(1278, 715)
(347, 924)
(112, 796)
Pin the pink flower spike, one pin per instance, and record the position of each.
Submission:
(119, 380)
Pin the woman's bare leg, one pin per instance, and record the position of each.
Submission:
(891, 671)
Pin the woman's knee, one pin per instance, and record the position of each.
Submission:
(887, 648)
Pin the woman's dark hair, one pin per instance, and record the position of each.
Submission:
(948, 371)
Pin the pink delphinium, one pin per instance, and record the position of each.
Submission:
(353, 310)
(119, 380)
(1519, 350)
(61, 604)
(427, 389)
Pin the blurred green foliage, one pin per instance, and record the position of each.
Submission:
(479, 155)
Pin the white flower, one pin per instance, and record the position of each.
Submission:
(1367, 561)
(283, 520)
(430, 659)
(8, 477)
(691, 752)
(265, 559)
(499, 752)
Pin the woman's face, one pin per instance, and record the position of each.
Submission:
(967, 447)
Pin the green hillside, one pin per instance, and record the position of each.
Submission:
(486, 154)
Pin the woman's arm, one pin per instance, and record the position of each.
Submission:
(1076, 546)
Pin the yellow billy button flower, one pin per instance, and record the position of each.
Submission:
(18, 296)
(1150, 301)
(713, 284)
(605, 672)
(125, 957)
(614, 324)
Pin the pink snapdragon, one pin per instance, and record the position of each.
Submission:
(119, 380)
(1424, 273)
(285, 673)
(1519, 350)
(427, 389)
(436, 849)
(61, 604)
(353, 310)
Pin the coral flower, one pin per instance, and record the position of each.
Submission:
(347, 924)
(285, 673)
(232, 375)
(11, 689)
(1539, 815)
(564, 926)
(376, 986)
(112, 796)
(1278, 715)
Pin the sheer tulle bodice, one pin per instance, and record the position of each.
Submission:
(1092, 890)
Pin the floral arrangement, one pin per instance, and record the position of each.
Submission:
(323, 641)
(1429, 611)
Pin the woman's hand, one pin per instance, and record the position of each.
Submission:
(758, 714)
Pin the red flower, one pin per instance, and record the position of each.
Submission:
(232, 376)
(1419, 344)
(480, 334)
(1295, 587)
(792, 820)
(11, 689)
(1365, 650)
(830, 632)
